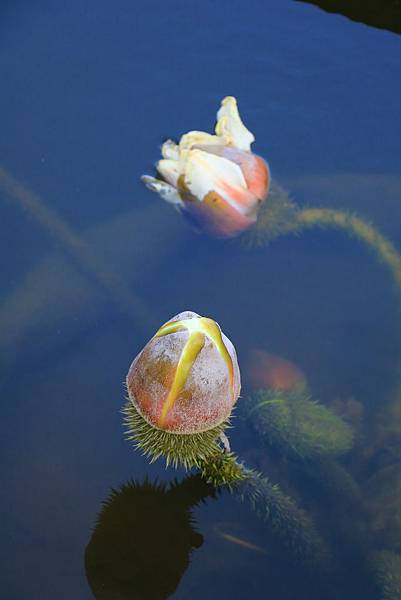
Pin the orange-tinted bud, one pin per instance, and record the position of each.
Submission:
(268, 371)
(186, 380)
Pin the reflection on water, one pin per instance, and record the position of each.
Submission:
(143, 539)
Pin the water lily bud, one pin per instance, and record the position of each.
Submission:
(182, 388)
(215, 180)
(269, 371)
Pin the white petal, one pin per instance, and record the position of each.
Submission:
(169, 170)
(206, 172)
(170, 150)
(192, 138)
(230, 127)
(166, 191)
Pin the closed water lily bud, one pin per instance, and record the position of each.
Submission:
(182, 388)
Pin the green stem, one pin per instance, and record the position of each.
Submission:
(292, 525)
(354, 226)
(281, 216)
(75, 246)
(385, 251)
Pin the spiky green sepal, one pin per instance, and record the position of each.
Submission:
(278, 216)
(223, 469)
(185, 450)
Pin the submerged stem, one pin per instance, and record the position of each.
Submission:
(355, 226)
(280, 216)
(385, 251)
(292, 525)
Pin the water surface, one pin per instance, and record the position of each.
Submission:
(89, 92)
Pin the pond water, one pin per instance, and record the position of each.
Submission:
(92, 264)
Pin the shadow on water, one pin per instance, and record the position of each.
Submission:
(143, 539)
(384, 14)
(145, 535)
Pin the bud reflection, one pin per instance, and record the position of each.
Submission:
(143, 539)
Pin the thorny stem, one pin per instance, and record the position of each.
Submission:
(386, 253)
(382, 247)
(293, 526)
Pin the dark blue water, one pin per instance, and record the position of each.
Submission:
(89, 92)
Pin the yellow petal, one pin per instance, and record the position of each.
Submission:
(192, 348)
(213, 331)
(230, 127)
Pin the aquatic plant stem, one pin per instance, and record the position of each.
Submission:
(385, 564)
(125, 299)
(292, 525)
(308, 218)
(386, 253)
(282, 216)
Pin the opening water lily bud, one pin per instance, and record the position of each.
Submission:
(215, 180)
(182, 388)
